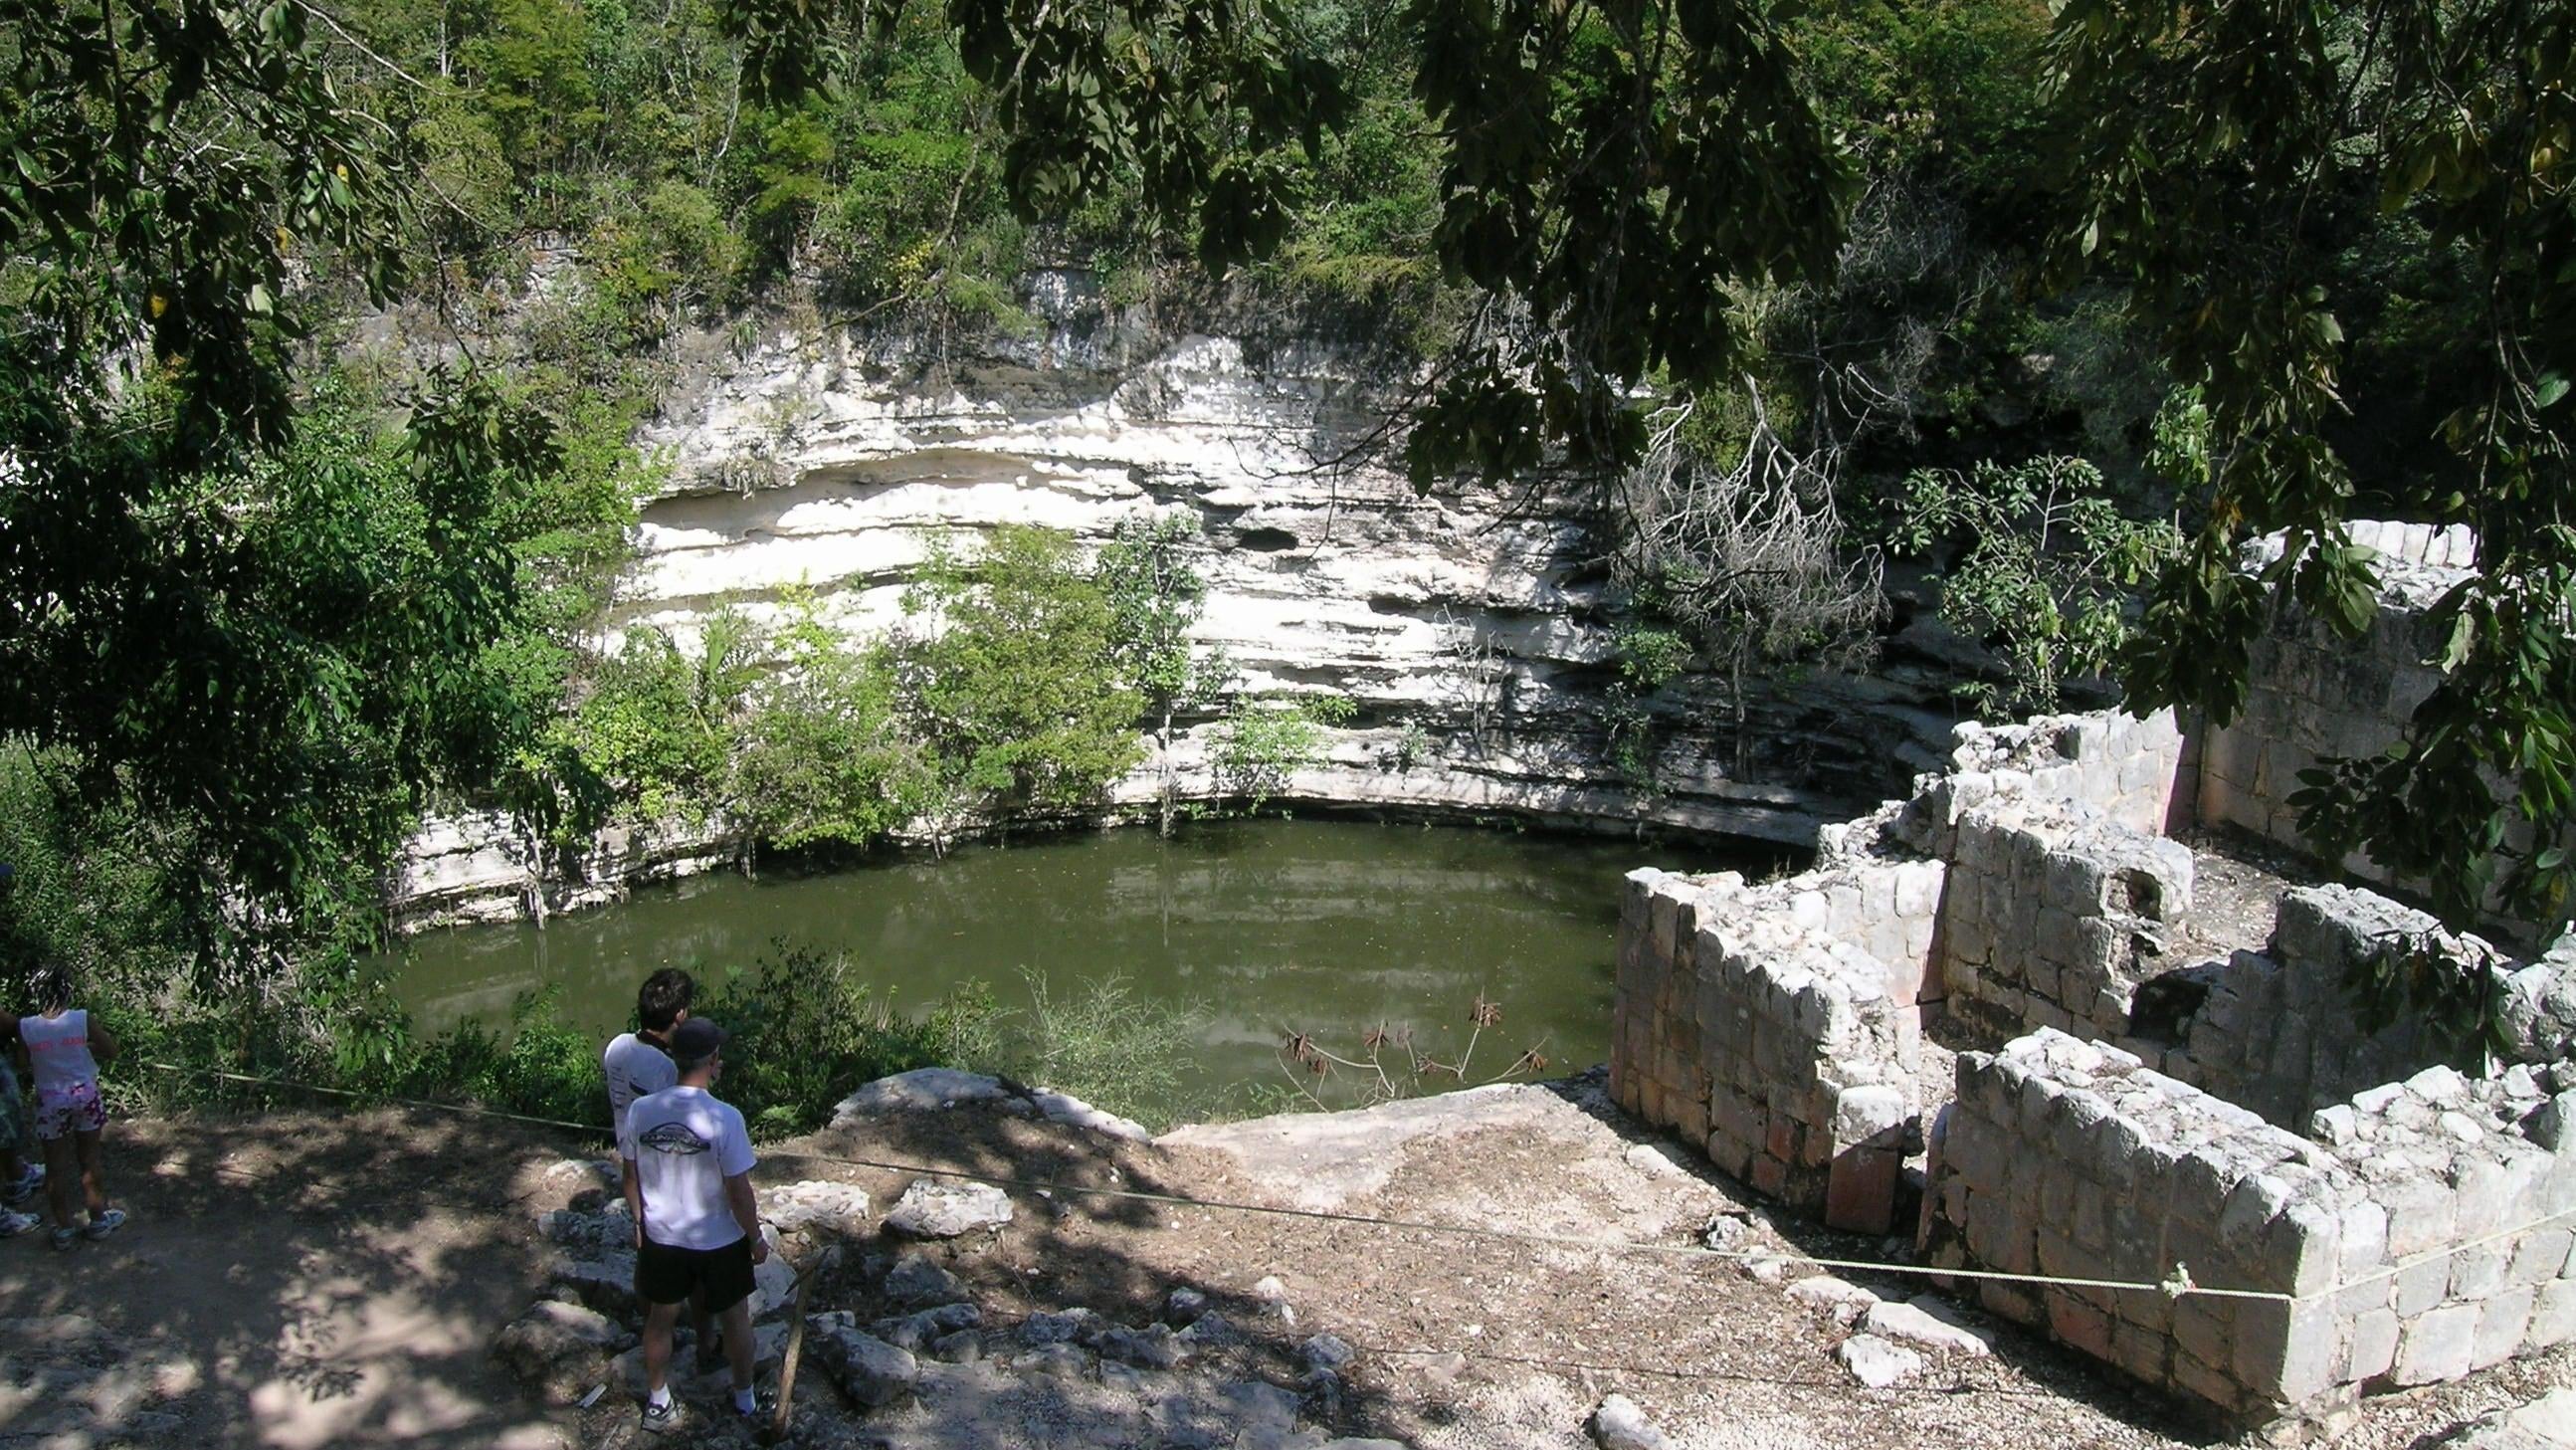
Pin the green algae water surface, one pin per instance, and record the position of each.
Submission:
(1262, 928)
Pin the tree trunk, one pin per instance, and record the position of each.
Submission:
(1735, 692)
(1163, 751)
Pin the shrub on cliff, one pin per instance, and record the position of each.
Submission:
(1007, 672)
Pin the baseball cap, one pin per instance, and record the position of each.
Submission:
(696, 1040)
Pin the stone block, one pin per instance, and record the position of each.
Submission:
(2145, 1353)
(2479, 1193)
(1730, 1155)
(1690, 1115)
(2054, 938)
(2553, 1316)
(2302, 1246)
(2205, 1327)
(2058, 1255)
(2421, 1286)
(2364, 1240)
(2195, 1377)
(2008, 1301)
(2373, 1350)
(2202, 1182)
(2437, 1345)
(2079, 1325)
(1860, 1190)
(2477, 1273)
(2287, 1353)
(2502, 1322)
(2419, 1215)
(2539, 1256)
(1663, 926)
(1870, 1117)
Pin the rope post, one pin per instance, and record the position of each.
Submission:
(776, 1432)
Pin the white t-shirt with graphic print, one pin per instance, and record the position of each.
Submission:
(684, 1145)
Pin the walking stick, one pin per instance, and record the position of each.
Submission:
(796, 1344)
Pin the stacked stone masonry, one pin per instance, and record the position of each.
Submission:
(2420, 1233)
(2054, 912)
(1778, 1025)
(2147, 1119)
(2277, 1033)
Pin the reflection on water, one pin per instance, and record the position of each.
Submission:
(1324, 927)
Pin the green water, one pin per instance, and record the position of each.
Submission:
(1324, 927)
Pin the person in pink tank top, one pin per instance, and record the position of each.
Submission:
(62, 1050)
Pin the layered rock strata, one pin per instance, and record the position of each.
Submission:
(1468, 626)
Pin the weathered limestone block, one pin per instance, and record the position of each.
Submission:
(559, 1350)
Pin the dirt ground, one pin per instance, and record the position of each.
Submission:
(2236, 890)
(313, 1279)
(303, 1279)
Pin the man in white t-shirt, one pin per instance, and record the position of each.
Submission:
(686, 1163)
(639, 1062)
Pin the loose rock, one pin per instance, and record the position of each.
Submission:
(1274, 1299)
(915, 1279)
(1325, 1351)
(1725, 1232)
(913, 1331)
(1044, 1328)
(1617, 1424)
(608, 1228)
(963, 1347)
(817, 1204)
(605, 1282)
(869, 1370)
(1878, 1362)
(1211, 1330)
(558, 1350)
(948, 1210)
(1055, 1361)
(1928, 1322)
(1839, 1297)
(1153, 1347)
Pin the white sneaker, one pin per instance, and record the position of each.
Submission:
(24, 1186)
(14, 1224)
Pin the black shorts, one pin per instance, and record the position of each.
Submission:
(667, 1275)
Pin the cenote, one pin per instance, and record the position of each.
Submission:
(1261, 928)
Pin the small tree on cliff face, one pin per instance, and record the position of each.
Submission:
(1155, 600)
(1749, 561)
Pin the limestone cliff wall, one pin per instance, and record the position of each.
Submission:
(1467, 626)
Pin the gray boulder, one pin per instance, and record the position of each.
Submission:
(559, 1350)
(1617, 1424)
(915, 1279)
(817, 1205)
(1878, 1363)
(948, 1210)
(605, 1281)
(915, 1331)
(868, 1370)
(1153, 1347)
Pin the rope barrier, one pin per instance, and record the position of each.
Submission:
(1137, 1195)
(2181, 1285)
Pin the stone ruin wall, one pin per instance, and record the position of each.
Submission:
(2226, 1116)
(2311, 693)
(2420, 1237)
(1765, 1023)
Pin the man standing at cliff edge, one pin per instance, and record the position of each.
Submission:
(685, 1160)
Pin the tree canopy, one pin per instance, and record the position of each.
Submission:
(2218, 160)
(288, 643)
